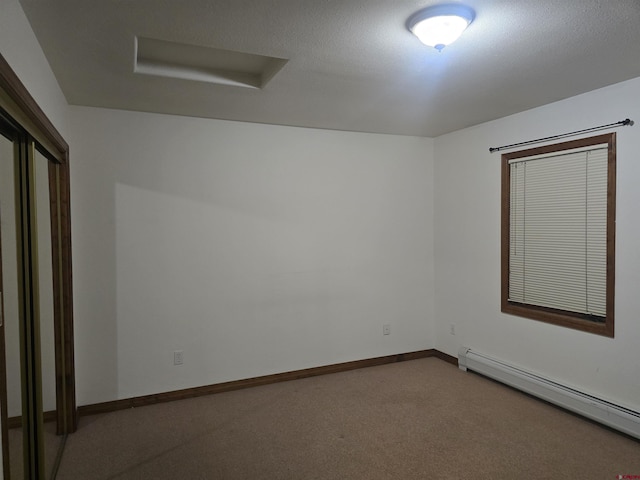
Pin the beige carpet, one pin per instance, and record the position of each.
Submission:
(52, 445)
(422, 419)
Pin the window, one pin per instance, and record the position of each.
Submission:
(558, 233)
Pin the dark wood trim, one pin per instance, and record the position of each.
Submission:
(16, 90)
(61, 243)
(611, 235)
(447, 358)
(145, 400)
(558, 317)
(505, 203)
(16, 422)
(58, 324)
(67, 298)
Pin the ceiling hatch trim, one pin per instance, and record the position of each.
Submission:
(204, 64)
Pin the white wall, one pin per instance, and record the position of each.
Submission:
(258, 249)
(467, 229)
(255, 249)
(21, 50)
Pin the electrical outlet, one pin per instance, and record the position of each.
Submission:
(452, 329)
(178, 358)
(386, 329)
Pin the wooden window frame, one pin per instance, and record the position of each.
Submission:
(562, 318)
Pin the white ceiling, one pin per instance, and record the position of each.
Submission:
(352, 63)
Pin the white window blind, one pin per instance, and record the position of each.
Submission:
(558, 230)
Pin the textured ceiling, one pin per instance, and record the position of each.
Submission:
(352, 63)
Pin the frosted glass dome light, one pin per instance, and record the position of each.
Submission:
(440, 25)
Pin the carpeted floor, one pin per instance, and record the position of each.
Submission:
(421, 419)
(52, 445)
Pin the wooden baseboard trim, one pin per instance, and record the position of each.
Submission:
(142, 401)
(16, 422)
(446, 358)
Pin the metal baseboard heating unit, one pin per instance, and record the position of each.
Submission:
(597, 409)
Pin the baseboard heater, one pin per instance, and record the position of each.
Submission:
(602, 411)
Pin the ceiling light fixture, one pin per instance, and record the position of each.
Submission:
(440, 25)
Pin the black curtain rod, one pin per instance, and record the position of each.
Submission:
(621, 122)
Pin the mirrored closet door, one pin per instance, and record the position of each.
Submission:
(28, 307)
(37, 393)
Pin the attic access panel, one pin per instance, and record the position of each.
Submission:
(204, 64)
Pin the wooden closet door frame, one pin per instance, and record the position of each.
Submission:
(26, 112)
